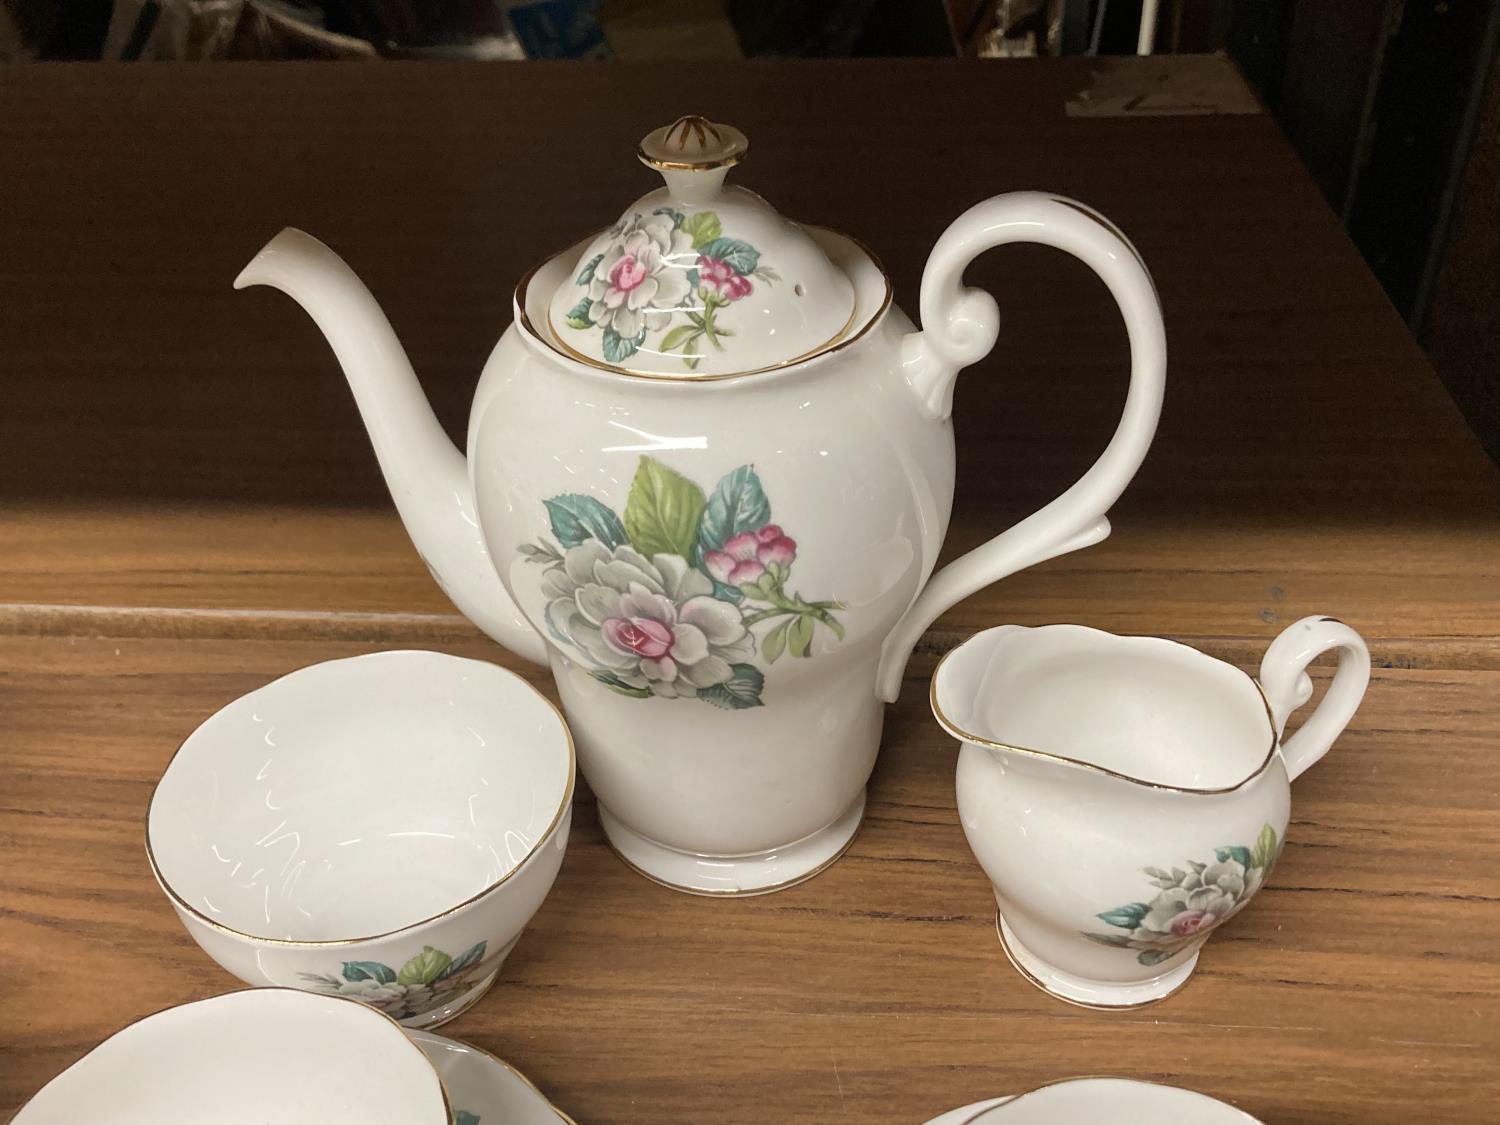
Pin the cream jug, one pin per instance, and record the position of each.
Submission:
(709, 469)
(1127, 795)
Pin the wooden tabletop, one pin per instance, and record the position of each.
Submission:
(188, 509)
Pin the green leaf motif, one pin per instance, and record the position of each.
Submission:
(829, 620)
(704, 227)
(1264, 853)
(467, 959)
(738, 504)
(614, 683)
(1154, 956)
(617, 348)
(576, 517)
(424, 967)
(741, 691)
(799, 636)
(662, 511)
(464, 1117)
(578, 315)
(1239, 855)
(740, 255)
(586, 274)
(678, 335)
(1127, 917)
(775, 642)
(369, 970)
(672, 213)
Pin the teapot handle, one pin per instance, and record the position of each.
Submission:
(1284, 679)
(961, 326)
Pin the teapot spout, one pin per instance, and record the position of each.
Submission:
(427, 475)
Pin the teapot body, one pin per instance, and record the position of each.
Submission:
(714, 567)
(726, 552)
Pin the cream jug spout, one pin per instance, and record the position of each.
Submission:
(427, 475)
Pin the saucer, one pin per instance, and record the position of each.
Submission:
(1120, 1101)
(963, 1113)
(485, 1090)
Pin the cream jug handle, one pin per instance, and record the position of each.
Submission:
(1284, 679)
(960, 327)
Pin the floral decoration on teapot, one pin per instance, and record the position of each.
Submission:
(638, 284)
(662, 602)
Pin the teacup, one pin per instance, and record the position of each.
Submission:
(1127, 795)
(381, 828)
(246, 1058)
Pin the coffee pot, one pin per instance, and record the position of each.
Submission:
(709, 469)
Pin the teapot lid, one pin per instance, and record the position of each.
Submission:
(700, 279)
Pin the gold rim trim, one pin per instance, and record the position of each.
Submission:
(442, 1088)
(963, 735)
(836, 344)
(1011, 1099)
(331, 943)
(689, 165)
(1032, 978)
(494, 1058)
(756, 892)
(573, 353)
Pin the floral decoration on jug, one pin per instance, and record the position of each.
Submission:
(428, 981)
(663, 602)
(639, 284)
(1190, 902)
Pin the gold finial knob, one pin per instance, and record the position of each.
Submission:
(693, 144)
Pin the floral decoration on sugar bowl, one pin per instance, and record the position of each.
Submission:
(666, 272)
(1190, 902)
(665, 600)
(429, 980)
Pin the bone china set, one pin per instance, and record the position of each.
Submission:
(709, 469)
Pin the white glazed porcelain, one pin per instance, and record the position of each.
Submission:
(1100, 1101)
(1126, 795)
(725, 569)
(483, 1089)
(381, 827)
(248, 1058)
(966, 1113)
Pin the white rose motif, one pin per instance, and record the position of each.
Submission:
(651, 624)
(642, 278)
(373, 992)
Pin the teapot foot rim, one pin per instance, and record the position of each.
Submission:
(1082, 992)
(738, 876)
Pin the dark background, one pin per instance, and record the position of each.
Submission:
(1390, 104)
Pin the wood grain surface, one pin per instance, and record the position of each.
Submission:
(1363, 984)
(188, 508)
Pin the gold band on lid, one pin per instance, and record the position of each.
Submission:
(693, 144)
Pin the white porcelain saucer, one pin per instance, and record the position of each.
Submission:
(963, 1113)
(1120, 1101)
(729, 876)
(485, 1090)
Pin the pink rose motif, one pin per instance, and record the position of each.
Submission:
(719, 276)
(1191, 922)
(627, 273)
(746, 556)
(642, 636)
